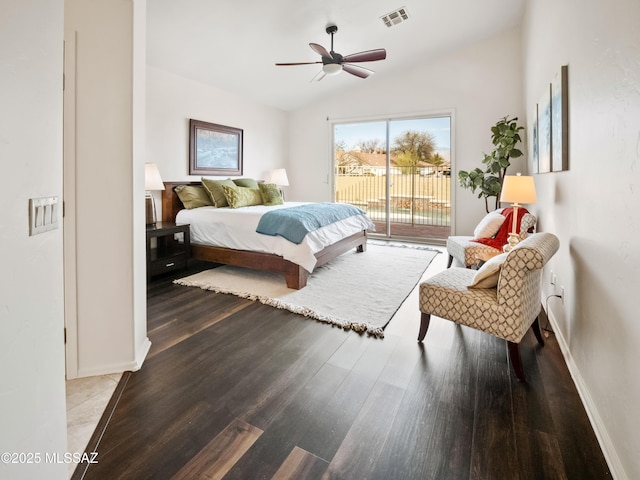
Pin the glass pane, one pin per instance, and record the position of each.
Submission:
(361, 168)
(420, 177)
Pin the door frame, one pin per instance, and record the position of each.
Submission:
(69, 206)
(444, 112)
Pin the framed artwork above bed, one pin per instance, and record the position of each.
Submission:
(214, 149)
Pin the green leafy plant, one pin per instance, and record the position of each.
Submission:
(487, 183)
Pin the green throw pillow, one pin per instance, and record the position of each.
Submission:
(215, 192)
(246, 182)
(193, 196)
(242, 196)
(270, 194)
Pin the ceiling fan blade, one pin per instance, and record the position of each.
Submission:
(357, 70)
(292, 64)
(367, 56)
(320, 50)
(318, 76)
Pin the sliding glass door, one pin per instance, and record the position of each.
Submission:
(399, 172)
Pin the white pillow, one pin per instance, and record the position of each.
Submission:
(489, 225)
(489, 273)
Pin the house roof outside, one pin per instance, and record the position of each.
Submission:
(380, 159)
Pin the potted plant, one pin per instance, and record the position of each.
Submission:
(505, 137)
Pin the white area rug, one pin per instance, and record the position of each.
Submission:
(357, 291)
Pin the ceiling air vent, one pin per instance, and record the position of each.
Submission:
(395, 17)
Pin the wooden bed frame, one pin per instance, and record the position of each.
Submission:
(295, 276)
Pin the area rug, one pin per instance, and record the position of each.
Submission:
(356, 291)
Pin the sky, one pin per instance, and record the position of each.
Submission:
(353, 133)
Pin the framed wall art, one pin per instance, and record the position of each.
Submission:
(533, 143)
(550, 126)
(559, 122)
(544, 131)
(214, 149)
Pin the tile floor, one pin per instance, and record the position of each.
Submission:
(86, 400)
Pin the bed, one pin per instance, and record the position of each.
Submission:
(295, 274)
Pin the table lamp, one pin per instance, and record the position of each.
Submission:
(152, 181)
(279, 177)
(517, 189)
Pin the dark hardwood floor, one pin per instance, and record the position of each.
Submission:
(234, 389)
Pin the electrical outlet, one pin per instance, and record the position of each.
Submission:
(552, 279)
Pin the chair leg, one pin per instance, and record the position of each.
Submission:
(450, 261)
(424, 325)
(516, 363)
(536, 331)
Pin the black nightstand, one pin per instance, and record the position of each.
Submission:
(167, 253)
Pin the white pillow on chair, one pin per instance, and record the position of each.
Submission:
(488, 274)
(489, 225)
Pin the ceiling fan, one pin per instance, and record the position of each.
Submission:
(333, 63)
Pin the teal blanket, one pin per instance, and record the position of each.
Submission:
(293, 223)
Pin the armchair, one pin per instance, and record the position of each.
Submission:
(470, 253)
(502, 298)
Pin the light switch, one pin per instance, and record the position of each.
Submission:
(43, 214)
(54, 212)
(39, 216)
(47, 215)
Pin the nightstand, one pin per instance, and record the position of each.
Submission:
(168, 248)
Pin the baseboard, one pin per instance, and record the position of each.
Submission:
(142, 354)
(608, 449)
(132, 366)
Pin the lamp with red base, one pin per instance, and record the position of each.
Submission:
(517, 189)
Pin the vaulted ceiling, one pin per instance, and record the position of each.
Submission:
(234, 45)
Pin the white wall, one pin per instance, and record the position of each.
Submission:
(593, 206)
(32, 390)
(111, 331)
(172, 100)
(482, 83)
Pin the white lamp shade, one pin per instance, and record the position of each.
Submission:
(279, 177)
(518, 189)
(332, 68)
(152, 178)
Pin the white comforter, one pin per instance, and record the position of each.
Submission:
(236, 228)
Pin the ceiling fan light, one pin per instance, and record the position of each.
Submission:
(332, 68)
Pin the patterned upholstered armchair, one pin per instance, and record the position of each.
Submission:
(501, 298)
(471, 253)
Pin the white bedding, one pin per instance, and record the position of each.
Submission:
(236, 228)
